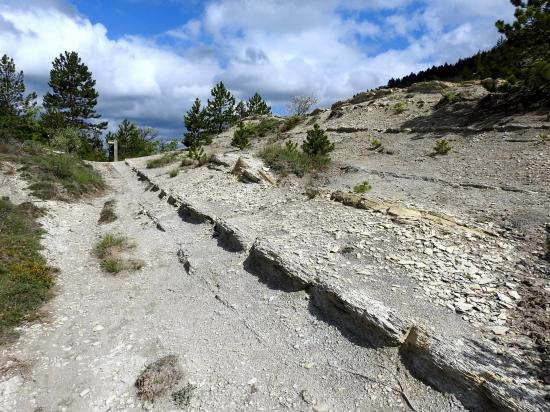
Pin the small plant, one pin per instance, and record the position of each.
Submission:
(158, 377)
(291, 122)
(241, 137)
(291, 147)
(288, 159)
(450, 98)
(182, 397)
(110, 248)
(195, 152)
(165, 159)
(186, 161)
(173, 172)
(544, 138)
(317, 142)
(400, 107)
(108, 214)
(375, 144)
(442, 147)
(362, 187)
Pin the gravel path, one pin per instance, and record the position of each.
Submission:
(243, 345)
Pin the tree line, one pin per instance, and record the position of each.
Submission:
(68, 120)
(521, 56)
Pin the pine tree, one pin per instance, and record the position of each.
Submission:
(195, 123)
(241, 137)
(317, 142)
(241, 111)
(256, 106)
(73, 98)
(13, 101)
(220, 111)
(134, 141)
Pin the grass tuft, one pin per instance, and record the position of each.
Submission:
(442, 147)
(173, 172)
(288, 159)
(110, 249)
(165, 159)
(362, 187)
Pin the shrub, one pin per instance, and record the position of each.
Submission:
(543, 137)
(400, 107)
(288, 159)
(173, 172)
(317, 142)
(241, 137)
(375, 144)
(450, 98)
(362, 187)
(163, 160)
(196, 152)
(290, 123)
(300, 105)
(267, 126)
(69, 140)
(442, 147)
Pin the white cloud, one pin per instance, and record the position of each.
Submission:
(279, 48)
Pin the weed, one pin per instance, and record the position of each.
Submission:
(159, 377)
(25, 279)
(108, 214)
(375, 144)
(442, 147)
(182, 397)
(362, 187)
(173, 172)
(400, 107)
(290, 123)
(165, 159)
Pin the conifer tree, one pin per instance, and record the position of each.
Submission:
(241, 111)
(134, 141)
(256, 106)
(220, 111)
(317, 142)
(73, 98)
(195, 123)
(241, 137)
(13, 101)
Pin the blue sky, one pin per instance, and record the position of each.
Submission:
(151, 58)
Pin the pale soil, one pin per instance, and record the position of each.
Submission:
(244, 345)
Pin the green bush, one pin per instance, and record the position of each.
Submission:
(291, 122)
(241, 137)
(450, 98)
(400, 107)
(267, 126)
(68, 140)
(442, 147)
(288, 159)
(165, 159)
(375, 144)
(173, 172)
(317, 142)
(362, 187)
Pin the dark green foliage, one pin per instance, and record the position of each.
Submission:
(362, 187)
(241, 137)
(25, 279)
(256, 106)
(317, 142)
(442, 147)
(134, 141)
(241, 111)
(73, 97)
(220, 110)
(196, 125)
(13, 101)
(291, 122)
(288, 159)
(20, 128)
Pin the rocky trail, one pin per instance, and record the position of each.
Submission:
(243, 345)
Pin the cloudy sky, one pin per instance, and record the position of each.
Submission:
(151, 58)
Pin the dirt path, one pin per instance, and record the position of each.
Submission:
(243, 345)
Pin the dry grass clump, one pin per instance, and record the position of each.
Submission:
(111, 250)
(158, 378)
